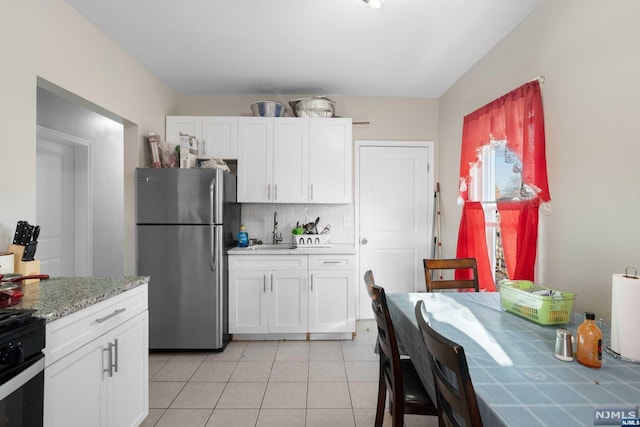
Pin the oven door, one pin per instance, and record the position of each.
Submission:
(22, 396)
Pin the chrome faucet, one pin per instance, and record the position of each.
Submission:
(277, 237)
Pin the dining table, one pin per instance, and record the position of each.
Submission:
(517, 379)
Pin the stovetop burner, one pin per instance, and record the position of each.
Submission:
(10, 316)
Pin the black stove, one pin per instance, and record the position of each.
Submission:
(9, 316)
(22, 339)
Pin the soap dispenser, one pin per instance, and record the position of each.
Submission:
(243, 237)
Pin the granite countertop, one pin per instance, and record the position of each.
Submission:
(60, 296)
(334, 249)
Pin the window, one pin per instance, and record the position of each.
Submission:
(497, 176)
(503, 179)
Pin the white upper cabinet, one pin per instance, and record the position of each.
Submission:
(331, 161)
(218, 136)
(294, 160)
(291, 160)
(191, 125)
(255, 159)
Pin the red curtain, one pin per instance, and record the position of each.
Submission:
(472, 243)
(516, 117)
(519, 233)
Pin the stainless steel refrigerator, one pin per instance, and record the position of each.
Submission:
(186, 219)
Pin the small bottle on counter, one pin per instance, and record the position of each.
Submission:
(589, 347)
(243, 237)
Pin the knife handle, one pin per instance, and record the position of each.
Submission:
(29, 251)
(18, 236)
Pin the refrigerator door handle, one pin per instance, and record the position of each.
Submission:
(212, 251)
(212, 199)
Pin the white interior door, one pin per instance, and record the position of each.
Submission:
(63, 204)
(394, 215)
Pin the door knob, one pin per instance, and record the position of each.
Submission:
(364, 241)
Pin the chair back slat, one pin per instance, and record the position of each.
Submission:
(435, 283)
(456, 397)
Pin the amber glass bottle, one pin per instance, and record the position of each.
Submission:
(589, 348)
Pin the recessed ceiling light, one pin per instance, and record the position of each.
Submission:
(374, 4)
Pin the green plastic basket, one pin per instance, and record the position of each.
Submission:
(516, 297)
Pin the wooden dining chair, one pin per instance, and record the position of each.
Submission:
(433, 282)
(407, 394)
(456, 398)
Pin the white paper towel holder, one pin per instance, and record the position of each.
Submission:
(608, 348)
(631, 276)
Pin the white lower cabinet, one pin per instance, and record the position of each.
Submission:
(96, 365)
(289, 294)
(332, 300)
(267, 294)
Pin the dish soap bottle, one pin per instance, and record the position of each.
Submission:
(589, 348)
(243, 237)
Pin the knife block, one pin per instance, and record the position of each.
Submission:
(24, 268)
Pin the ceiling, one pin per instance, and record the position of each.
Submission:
(409, 48)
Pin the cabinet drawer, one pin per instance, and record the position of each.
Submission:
(332, 262)
(77, 329)
(268, 262)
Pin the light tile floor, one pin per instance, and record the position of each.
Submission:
(270, 384)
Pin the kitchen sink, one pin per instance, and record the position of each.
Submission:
(265, 247)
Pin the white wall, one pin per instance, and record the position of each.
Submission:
(398, 118)
(49, 39)
(106, 137)
(588, 51)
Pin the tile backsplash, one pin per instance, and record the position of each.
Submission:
(258, 217)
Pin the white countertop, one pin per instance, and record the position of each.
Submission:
(288, 249)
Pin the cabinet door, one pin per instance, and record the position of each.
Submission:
(75, 389)
(255, 159)
(288, 302)
(331, 154)
(332, 302)
(291, 160)
(248, 304)
(220, 137)
(128, 385)
(191, 125)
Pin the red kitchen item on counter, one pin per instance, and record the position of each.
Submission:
(18, 278)
(9, 297)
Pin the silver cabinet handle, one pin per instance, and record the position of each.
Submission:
(109, 367)
(115, 349)
(264, 283)
(311, 191)
(312, 283)
(109, 316)
(331, 262)
(272, 283)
